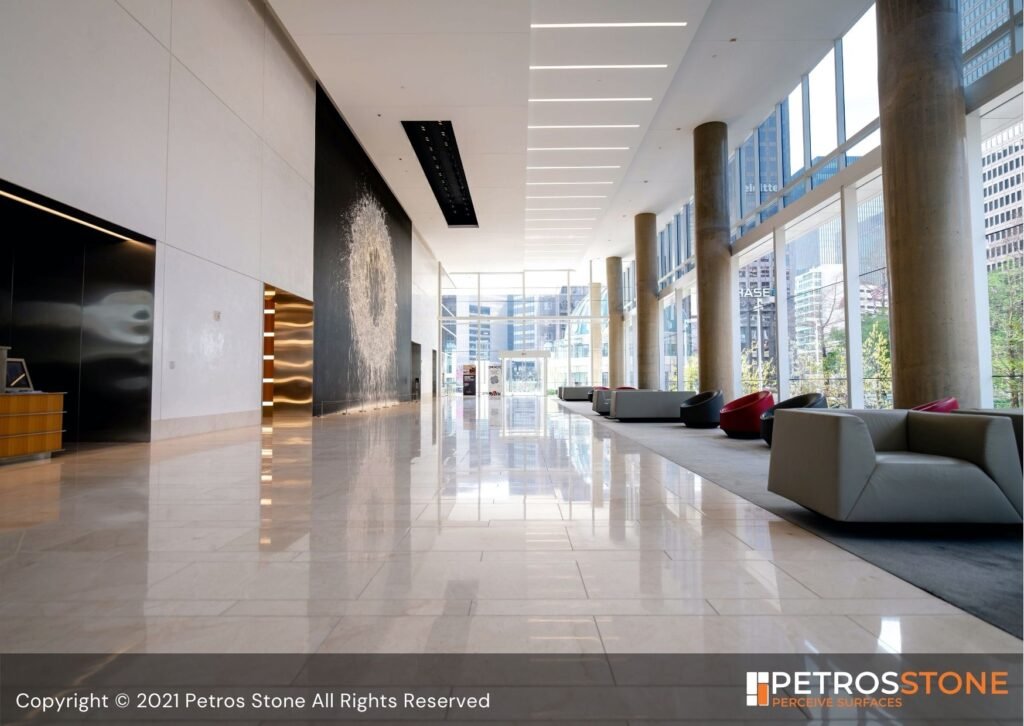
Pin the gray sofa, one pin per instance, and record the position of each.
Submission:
(897, 466)
(647, 405)
(574, 393)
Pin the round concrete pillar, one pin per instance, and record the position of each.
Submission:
(645, 227)
(715, 300)
(927, 225)
(613, 274)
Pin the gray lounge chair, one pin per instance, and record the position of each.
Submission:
(897, 466)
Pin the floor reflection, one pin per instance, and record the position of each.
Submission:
(498, 525)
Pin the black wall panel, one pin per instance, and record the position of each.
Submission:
(366, 358)
(77, 305)
(117, 341)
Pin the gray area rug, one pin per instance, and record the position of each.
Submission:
(977, 568)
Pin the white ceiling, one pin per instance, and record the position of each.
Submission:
(469, 61)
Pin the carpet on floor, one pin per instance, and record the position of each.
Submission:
(977, 568)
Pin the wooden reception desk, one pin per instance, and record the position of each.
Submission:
(31, 424)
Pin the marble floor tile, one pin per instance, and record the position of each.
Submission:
(621, 606)
(832, 606)
(947, 633)
(268, 581)
(690, 579)
(734, 634)
(463, 526)
(233, 634)
(338, 608)
(464, 634)
(850, 580)
(476, 580)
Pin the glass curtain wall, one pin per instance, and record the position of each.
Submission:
(669, 350)
(687, 340)
(873, 289)
(676, 241)
(827, 121)
(758, 341)
(1002, 165)
(816, 303)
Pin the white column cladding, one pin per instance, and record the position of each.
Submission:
(851, 280)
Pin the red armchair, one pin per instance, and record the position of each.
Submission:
(943, 405)
(741, 419)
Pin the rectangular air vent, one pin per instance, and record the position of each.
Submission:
(436, 148)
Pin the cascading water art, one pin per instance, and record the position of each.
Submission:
(373, 300)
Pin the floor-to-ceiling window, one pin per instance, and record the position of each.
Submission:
(873, 290)
(816, 301)
(1002, 169)
(687, 340)
(860, 83)
(669, 337)
(758, 343)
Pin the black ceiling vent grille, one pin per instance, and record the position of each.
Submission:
(436, 148)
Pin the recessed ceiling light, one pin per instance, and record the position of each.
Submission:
(609, 25)
(636, 66)
(577, 148)
(586, 126)
(570, 196)
(566, 183)
(591, 166)
(589, 100)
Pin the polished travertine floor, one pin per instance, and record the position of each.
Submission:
(470, 526)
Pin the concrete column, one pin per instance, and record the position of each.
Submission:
(613, 274)
(595, 334)
(716, 354)
(645, 229)
(927, 222)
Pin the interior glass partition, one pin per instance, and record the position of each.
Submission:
(483, 315)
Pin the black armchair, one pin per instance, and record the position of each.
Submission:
(807, 400)
(702, 411)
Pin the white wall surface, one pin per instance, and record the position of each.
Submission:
(189, 121)
(424, 308)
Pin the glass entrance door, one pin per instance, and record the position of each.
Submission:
(524, 376)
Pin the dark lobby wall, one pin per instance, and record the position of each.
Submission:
(77, 305)
(362, 275)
